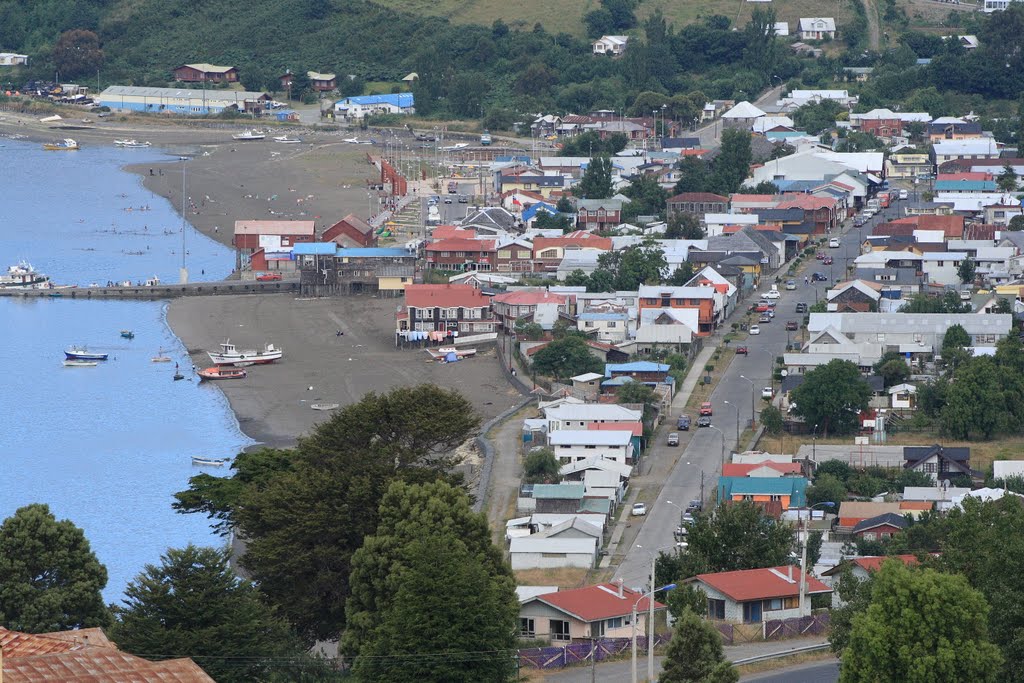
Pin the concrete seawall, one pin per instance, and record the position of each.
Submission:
(159, 291)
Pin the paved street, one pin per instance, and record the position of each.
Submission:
(739, 388)
(815, 672)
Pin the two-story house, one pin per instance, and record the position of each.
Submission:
(581, 416)
(548, 252)
(817, 28)
(573, 445)
(446, 308)
(698, 203)
(511, 306)
(598, 215)
(700, 298)
(513, 255)
(460, 254)
(950, 128)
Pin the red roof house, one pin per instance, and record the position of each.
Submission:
(513, 305)
(603, 610)
(548, 252)
(446, 309)
(350, 231)
(760, 469)
(862, 567)
(755, 595)
(444, 232)
(460, 253)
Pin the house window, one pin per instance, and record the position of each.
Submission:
(716, 609)
(880, 337)
(588, 324)
(560, 630)
(425, 313)
(611, 325)
(613, 623)
(553, 556)
(527, 628)
(773, 604)
(984, 339)
(869, 536)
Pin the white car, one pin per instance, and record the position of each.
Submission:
(639, 510)
(767, 393)
(754, 329)
(790, 285)
(904, 194)
(833, 243)
(773, 294)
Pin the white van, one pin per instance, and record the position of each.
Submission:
(904, 194)
(833, 243)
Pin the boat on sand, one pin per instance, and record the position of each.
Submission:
(221, 372)
(442, 352)
(231, 355)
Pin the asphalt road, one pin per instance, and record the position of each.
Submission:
(815, 672)
(737, 395)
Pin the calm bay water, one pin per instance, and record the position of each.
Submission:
(105, 447)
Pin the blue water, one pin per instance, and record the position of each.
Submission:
(105, 447)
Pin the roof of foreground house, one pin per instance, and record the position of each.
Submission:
(760, 584)
(597, 602)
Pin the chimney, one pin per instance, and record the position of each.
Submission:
(790, 573)
(618, 582)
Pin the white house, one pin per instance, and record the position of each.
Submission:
(817, 28)
(742, 115)
(970, 148)
(606, 326)
(573, 445)
(752, 596)
(538, 552)
(610, 45)
(714, 223)
(12, 59)
(912, 332)
(902, 397)
(368, 105)
(941, 266)
(781, 28)
(578, 416)
(661, 327)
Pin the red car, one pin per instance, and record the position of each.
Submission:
(741, 350)
(761, 308)
(827, 261)
(268, 277)
(705, 408)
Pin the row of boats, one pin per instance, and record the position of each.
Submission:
(253, 135)
(229, 363)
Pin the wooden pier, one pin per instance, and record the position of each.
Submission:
(161, 291)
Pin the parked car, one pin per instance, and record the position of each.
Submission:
(819, 277)
(463, 199)
(859, 221)
(683, 423)
(833, 243)
(820, 255)
(268, 277)
(773, 294)
(767, 393)
(754, 329)
(765, 318)
(447, 200)
(790, 284)
(904, 194)
(792, 325)
(761, 307)
(694, 506)
(741, 350)
(704, 421)
(673, 439)
(705, 409)
(639, 510)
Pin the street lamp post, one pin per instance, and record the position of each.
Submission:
(803, 553)
(737, 409)
(753, 391)
(721, 434)
(814, 445)
(650, 617)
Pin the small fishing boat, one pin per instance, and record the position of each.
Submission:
(442, 352)
(229, 355)
(160, 357)
(284, 139)
(221, 372)
(208, 462)
(82, 353)
(249, 135)
(127, 334)
(325, 406)
(131, 144)
(80, 363)
(67, 144)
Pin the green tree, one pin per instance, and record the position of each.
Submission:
(638, 392)
(596, 182)
(647, 198)
(601, 280)
(1007, 179)
(695, 653)
(967, 271)
(50, 579)
(564, 358)
(302, 526)
(832, 396)
(732, 165)
(407, 513)
(854, 598)
(576, 278)
(301, 85)
(634, 266)
(1016, 223)
(525, 330)
(826, 487)
(763, 187)
(193, 603)
(921, 626)
(892, 367)
(684, 226)
(956, 337)
(817, 116)
(1003, 305)
(549, 221)
(693, 175)
(541, 467)
(77, 52)
(973, 401)
(682, 274)
(565, 206)
(771, 420)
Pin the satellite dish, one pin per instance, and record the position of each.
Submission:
(784, 373)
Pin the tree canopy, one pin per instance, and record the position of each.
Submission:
(832, 396)
(50, 579)
(695, 654)
(567, 357)
(636, 265)
(193, 603)
(303, 524)
(596, 182)
(920, 626)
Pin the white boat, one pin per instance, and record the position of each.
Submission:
(249, 135)
(160, 357)
(23, 276)
(67, 144)
(284, 139)
(73, 363)
(325, 406)
(442, 352)
(131, 143)
(357, 141)
(209, 462)
(230, 355)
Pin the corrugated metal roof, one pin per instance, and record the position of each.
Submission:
(374, 252)
(315, 248)
(589, 437)
(275, 227)
(181, 93)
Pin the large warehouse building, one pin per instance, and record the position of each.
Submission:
(180, 100)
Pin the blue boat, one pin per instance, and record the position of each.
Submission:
(82, 353)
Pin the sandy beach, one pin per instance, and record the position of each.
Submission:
(322, 179)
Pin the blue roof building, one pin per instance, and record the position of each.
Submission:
(613, 369)
(314, 249)
(789, 490)
(965, 186)
(367, 105)
(532, 210)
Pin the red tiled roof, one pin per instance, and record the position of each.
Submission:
(763, 198)
(760, 584)
(693, 152)
(915, 505)
(743, 469)
(807, 202)
(461, 244)
(951, 226)
(17, 644)
(99, 665)
(874, 563)
(445, 296)
(597, 602)
(636, 428)
(443, 232)
(964, 176)
(892, 229)
(531, 297)
(982, 231)
(698, 197)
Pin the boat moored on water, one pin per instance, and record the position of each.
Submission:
(218, 372)
(208, 462)
(23, 276)
(82, 353)
(249, 135)
(67, 144)
(76, 363)
(127, 334)
(160, 357)
(230, 355)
